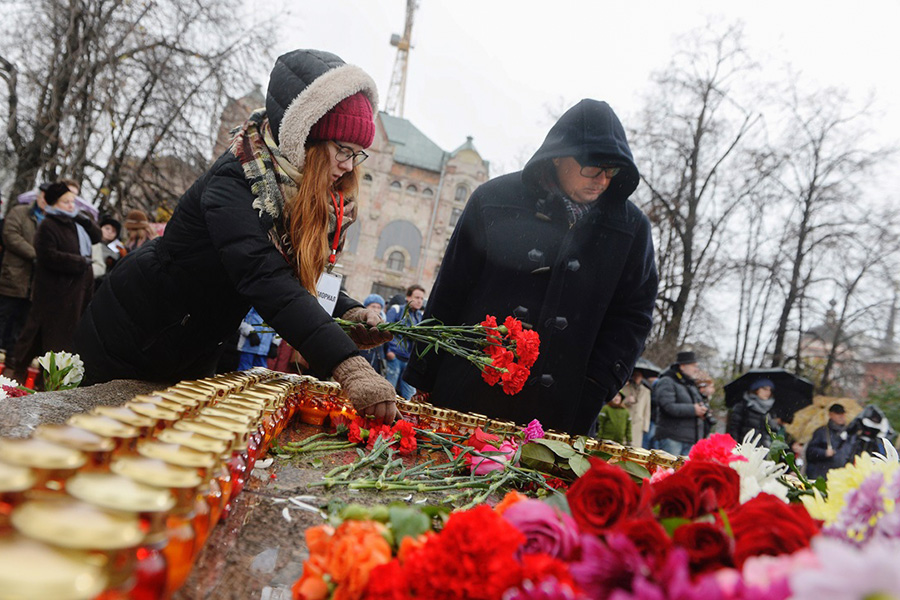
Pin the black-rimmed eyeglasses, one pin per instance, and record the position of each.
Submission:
(594, 172)
(345, 153)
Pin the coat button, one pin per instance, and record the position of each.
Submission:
(573, 265)
(520, 312)
(558, 322)
(535, 255)
(546, 380)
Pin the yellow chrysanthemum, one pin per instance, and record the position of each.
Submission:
(844, 480)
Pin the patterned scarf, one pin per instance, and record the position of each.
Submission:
(273, 180)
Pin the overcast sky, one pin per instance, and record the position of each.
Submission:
(490, 68)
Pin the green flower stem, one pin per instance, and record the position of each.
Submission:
(311, 439)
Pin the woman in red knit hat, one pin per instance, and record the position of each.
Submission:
(261, 228)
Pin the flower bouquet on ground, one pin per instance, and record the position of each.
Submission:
(719, 528)
(503, 353)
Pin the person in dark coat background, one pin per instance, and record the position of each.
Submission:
(752, 413)
(830, 446)
(17, 268)
(682, 408)
(63, 278)
(259, 228)
(559, 246)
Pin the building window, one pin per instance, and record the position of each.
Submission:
(454, 216)
(395, 184)
(367, 177)
(412, 189)
(396, 261)
(428, 192)
(462, 192)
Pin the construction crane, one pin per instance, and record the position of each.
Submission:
(397, 90)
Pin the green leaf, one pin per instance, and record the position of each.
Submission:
(579, 443)
(407, 521)
(317, 463)
(538, 456)
(579, 464)
(559, 502)
(673, 523)
(600, 454)
(638, 472)
(561, 449)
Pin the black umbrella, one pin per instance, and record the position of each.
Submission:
(791, 393)
(648, 368)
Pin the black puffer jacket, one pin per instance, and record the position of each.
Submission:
(749, 415)
(675, 395)
(588, 290)
(165, 310)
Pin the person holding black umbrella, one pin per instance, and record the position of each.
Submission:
(753, 412)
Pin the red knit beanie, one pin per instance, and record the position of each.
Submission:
(349, 121)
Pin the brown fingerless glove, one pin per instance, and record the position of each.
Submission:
(362, 384)
(364, 335)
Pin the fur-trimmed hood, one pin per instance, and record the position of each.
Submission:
(303, 86)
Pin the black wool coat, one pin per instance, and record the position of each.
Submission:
(166, 309)
(588, 290)
(62, 288)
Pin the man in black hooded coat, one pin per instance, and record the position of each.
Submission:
(559, 246)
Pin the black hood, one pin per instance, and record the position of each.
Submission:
(588, 128)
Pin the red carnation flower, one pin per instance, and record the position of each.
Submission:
(403, 432)
(472, 558)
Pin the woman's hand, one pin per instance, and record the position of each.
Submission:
(366, 335)
(370, 393)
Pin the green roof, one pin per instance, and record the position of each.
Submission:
(411, 146)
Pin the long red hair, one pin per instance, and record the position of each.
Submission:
(307, 213)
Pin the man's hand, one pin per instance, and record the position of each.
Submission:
(829, 452)
(390, 355)
(700, 410)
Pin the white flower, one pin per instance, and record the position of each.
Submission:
(3, 394)
(758, 473)
(64, 360)
(9, 382)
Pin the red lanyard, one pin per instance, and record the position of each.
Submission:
(339, 213)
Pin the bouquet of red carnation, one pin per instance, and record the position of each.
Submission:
(504, 354)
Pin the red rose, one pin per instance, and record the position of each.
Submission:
(677, 496)
(649, 538)
(602, 497)
(765, 525)
(709, 548)
(724, 482)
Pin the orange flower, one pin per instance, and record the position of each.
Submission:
(409, 545)
(509, 499)
(312, 584)
(356, 548)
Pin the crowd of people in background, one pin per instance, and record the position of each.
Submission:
(670, 410)
(54, 255)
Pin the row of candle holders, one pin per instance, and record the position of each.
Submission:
(117, 503)
(326, 401)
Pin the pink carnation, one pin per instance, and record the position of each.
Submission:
(661, 474)
(533, 431)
